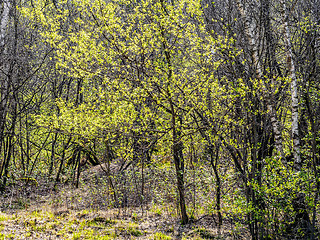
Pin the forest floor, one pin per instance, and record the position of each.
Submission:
(33, 212)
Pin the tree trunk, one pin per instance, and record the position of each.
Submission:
(4, 78)
(179, 165)
(4, 21)
(294, 89)
(52, 159)
(249, 32)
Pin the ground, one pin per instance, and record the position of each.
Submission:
(33, 210)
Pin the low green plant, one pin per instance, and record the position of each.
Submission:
(3, 217)
(161, 236)
(133, 230)
(7, 236)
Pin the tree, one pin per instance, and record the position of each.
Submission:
(143, 58)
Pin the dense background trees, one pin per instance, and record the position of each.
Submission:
(228, 88)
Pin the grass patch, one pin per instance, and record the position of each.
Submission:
(3, 217)
(90, 224)
(161, 236)
(133, 230)
(7, 236)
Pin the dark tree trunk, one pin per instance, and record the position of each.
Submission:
(177, 150)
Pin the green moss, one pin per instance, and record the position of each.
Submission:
(30, 222)
(28, 234)
(92, 235)
(52, 225)
(100, 222)
(157, 210)
(161, 236)
(7, 236)
(3, 217)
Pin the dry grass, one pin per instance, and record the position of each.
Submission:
(38, 212)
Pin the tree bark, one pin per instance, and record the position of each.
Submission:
(4, 92)
(294, 88)
(177, 148)
(249, 32)
(4, 22)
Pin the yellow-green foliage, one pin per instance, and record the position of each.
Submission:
(161, 236)
(3, 217)
(7, 236)
(106, 45)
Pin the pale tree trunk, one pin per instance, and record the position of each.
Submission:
(302, 223)
(3, 77)
(4, 21)
(294, 89)
(4, 83)
(249, 31)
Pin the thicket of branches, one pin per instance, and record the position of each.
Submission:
(223, 93)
